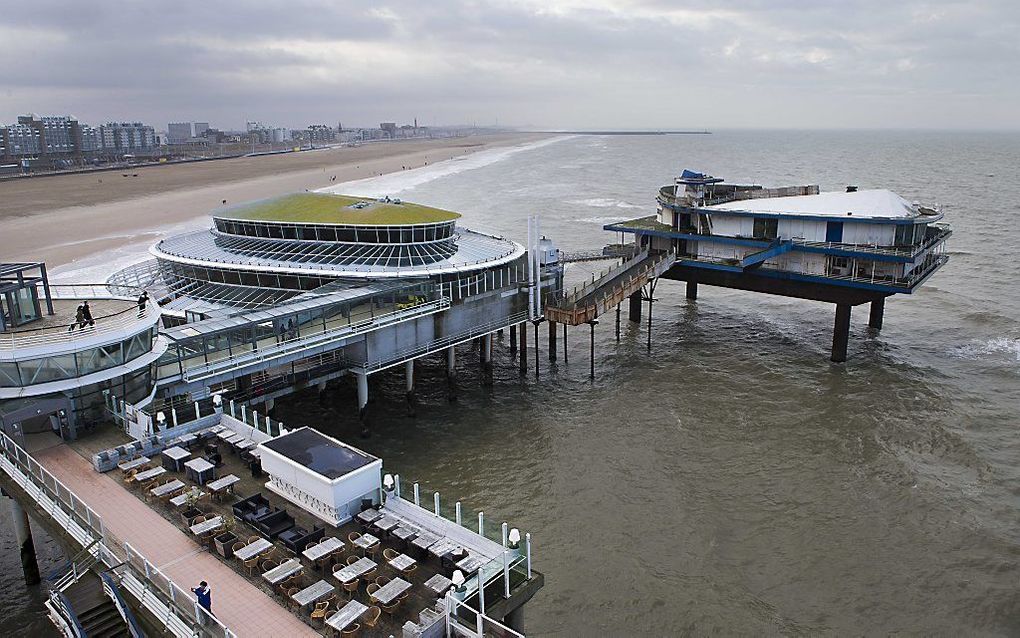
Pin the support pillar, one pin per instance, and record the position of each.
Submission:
(592, 324)
(564, 343)
(523, 328)
(451, 374)
(487, 359)
(270, 404)
(515, 620)
(322, 391)
(841, 332)
(635, 307)
(537, 321)
(877, 314)
(363, 400)
(23, 535)
(618, 322)
(552, 340)
(513, 341)
(692, 290)
(409, 386)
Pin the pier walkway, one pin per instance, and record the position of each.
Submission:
(585, 303)
(241, 606)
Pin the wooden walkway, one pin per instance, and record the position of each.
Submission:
(594, 298)
(243, 608)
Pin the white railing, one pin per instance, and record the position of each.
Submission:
(480, 624)
(108, 324)
(183, 618)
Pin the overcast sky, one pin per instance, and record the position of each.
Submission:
(542, 63)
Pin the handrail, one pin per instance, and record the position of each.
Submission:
(62, 335)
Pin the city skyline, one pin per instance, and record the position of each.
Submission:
(563, 64)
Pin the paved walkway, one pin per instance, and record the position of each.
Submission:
(242, 607)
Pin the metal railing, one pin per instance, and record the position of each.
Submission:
(464, 620)
(182, 616)
(298, 344)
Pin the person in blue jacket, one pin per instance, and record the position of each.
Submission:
(204, 595)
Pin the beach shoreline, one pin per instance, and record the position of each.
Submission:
(63, 219)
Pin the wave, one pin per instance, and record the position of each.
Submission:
(604, 202)
(396, 183)
(599, 220)
(992, 347)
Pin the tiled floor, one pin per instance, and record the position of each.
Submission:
(243, 608)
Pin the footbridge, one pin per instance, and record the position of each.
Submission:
(584, 303)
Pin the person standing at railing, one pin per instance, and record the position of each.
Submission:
(142, 300)
(87, 315)
(203, 593)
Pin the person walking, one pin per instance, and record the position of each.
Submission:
(87, 315)
(142, 300)
(203, 593)
(79, 318)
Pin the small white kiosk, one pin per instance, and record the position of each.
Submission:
(324, 476)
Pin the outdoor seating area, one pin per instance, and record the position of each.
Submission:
(366, 577)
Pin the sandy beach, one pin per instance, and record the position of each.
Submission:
(63, 218)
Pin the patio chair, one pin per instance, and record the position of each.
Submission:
(371, 617)
(381, 580)
(351, 631)
(373, 550)
(351, 587)
(319, 613)
(390, 554)
(353, 536)
(351, 560)
(236, 547)
(267, 565)
(288, 594)
(370, 574)
(371, 589)
(130, 475)
(410, 569)
(252, 539)
(251, 565)
(392, 609)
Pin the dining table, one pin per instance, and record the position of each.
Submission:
(174, 458)
(253, 549)
(282, 571)
(200, 470)
(138, 461)
(471, 563)
(312, 593)
(167, 488)
(365, 541)
(368, 515)
(400, 562)
(354, 570)
(347, 614)
(391, 590)
(386, 522)
(323, 549)
(224, 483)
(439, 583)
(207, 526)
(404, 532)
(148, 475)
(181, 499)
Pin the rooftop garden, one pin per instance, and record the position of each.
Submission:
(327, 208)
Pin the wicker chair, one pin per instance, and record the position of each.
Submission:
(389, 554)
(392, 609)
(353, 536)
(251, 565)
(373, 550)
(371, 589)
(130, 475)
(267, 565)
(288, 595)
(410, 569)
(351, 631)
(236, 547)
(371, 617)
(370, 574)
(351, 587)
(351, 560)
(319, 613)
(381, 580)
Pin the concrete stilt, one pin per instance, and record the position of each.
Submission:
(523, 343)
(451, 374)
(513, 341)
(564, 343)
(409, 386)
(487, 359)
(692, 290)
(618, 322)
(322, 391)
(515, 620)
(363, 400)
(270, 404)
(536, 350)
(635, 307)
(877, 314)
(841, 332)
(552, 341)
(592, 324)
(23, 535)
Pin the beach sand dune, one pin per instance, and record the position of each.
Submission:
(63, 218)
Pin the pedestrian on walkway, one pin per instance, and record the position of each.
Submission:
(79, 318)
(87, 313)
(204, 595)
(142, 300)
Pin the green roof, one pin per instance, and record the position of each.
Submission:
(326, 208)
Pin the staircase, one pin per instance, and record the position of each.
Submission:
(96, 613)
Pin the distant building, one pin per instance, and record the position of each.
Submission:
(201, 128)
(123, 137)
(281, 135)
(390, 128)
(320, 133)
(179, 132)
(50, 141)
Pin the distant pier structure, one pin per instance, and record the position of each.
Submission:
(845, 248)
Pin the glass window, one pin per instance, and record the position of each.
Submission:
(766, 228)
(9, 376)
